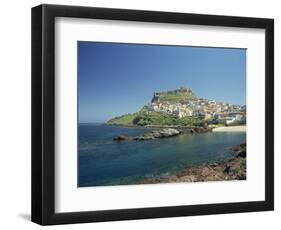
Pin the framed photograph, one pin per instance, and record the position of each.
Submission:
(142, 114)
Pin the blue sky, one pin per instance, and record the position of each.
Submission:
(114, 78)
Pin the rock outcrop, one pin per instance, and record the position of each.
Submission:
(239, 150)
(199, 130)
(230, 169)
(169, 132)
(122, 138)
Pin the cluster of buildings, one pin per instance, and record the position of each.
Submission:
(216, 112)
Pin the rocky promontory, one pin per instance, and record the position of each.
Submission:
(163, 133)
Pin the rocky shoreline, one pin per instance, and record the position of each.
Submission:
(151, 135)
(231, 169)
(162, 133)
(179, 127)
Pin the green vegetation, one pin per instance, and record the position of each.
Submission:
(126, 119)
(174, 107)
(175, 96)
(144, 118)
(153, 118)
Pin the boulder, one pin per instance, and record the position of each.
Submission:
(241, 153)
(239, 150)
(143, 138)
(156, 134)
(226, 169)
(243, 145)
(169, 132)
(214, 165)
(200, 130)
(122, 138)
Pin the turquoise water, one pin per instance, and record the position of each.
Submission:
(102, 161)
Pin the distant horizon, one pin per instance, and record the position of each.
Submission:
(115, 79)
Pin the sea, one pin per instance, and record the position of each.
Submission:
(103, 161)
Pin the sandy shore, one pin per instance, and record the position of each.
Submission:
(241, 128)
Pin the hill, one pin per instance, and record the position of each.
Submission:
(182, 107)
(174, 96)
(150, 118)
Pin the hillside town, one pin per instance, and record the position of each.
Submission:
(183, 103)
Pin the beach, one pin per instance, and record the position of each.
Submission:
(241, 128)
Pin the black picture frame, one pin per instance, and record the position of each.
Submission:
(43, 114)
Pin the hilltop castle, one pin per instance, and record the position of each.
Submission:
(182, 102)
(181, 90)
